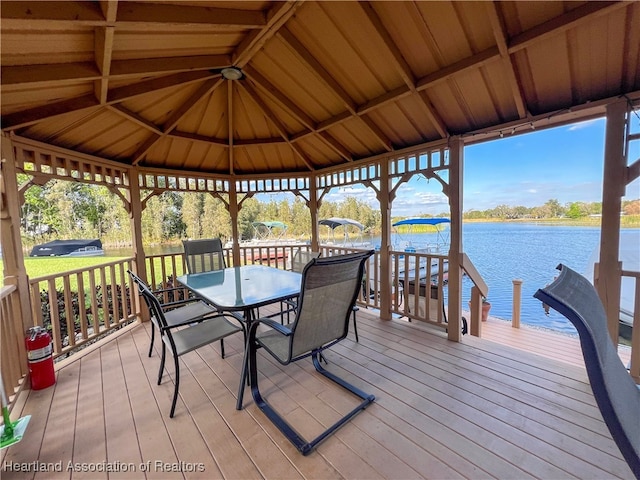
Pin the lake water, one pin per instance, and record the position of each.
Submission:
(505, 251)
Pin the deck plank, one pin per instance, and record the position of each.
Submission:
(475, 409)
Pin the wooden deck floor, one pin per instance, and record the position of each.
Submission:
(475, 409)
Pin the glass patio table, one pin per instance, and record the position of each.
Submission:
(243, 289)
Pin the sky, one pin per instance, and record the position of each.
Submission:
(563, 163)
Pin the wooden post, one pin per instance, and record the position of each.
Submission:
(313, 209)
(613, 189)
(233, 213)
(385, 241)
(15, 272)
(135, 219)
(456, 166)
(475, 322)
(517, 302)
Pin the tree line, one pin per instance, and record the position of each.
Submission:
(551, 209)
(62, 209)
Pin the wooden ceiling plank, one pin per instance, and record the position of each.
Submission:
(135, 118)
(259, 141)
(497, 25)
(280, 98)
(141, 13)
(400, 62)
(274, 119)
(562, 23)
(203, 90)
(277, 16)
(317, 68)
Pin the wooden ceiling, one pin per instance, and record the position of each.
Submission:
(323, 83)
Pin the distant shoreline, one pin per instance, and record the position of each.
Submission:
(630, 221)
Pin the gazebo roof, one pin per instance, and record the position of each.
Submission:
(321, 83)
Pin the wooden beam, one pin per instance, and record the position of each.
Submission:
(497, 25)
(52, 75)
(479, 59)
(103, 47)
(562, 23)
(280, 98)
(144, 148)
(433, 115)
(144, 14)
(219, 142)
(135, 118)
(203, 90)
(399, 62)
(32, 115)
(317, 68)
(297, 113)
(274, 119)
(253, 42)
(129, 91)
(230, 125)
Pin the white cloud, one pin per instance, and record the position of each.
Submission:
(581, 125)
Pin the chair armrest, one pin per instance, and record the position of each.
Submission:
(283, 329)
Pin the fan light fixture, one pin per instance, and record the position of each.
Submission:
(231, 73)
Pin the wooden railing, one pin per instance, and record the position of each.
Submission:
(14, 356)
(634, 367)
(79, 306)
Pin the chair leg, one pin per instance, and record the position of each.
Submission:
(175, 390)
(355, 327)
(153, 336)
(162, 358)
(222, 347)
(287, 430)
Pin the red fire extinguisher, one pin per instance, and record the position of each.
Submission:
(40, 358)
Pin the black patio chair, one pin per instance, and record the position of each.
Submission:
(329, 290)
(188, 334)
(616, 394)
(204, 255)
(177, 312)
(299, 261)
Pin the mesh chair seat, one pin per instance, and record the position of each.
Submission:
(329, 290)
(200, 334)
(183, 335)
(616, 394)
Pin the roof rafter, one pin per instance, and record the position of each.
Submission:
(61, 14)
(284, 102)
(274, 119)
(253, 43)
(178, 114)
(53, 75)
(497, 25)
(563, 23)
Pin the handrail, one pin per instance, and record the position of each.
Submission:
(14, 357)
(479, 291)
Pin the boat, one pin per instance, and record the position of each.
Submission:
(441, 243)
(439, 247)
(629, 255)
(349, 228)
(68, 248)
(270, 237)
